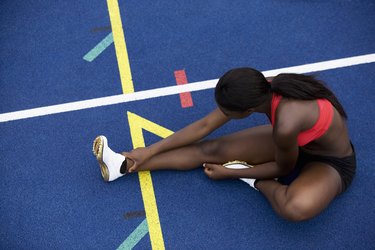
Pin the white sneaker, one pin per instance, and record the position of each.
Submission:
(241, 165)
(109, 161)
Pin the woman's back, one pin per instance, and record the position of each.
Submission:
(334, 142)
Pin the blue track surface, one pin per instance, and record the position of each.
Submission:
(52, 194)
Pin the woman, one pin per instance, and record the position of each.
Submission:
(307, 147)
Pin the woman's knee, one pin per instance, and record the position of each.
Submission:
(299, 209)
(210, 148)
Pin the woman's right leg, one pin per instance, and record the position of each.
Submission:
(253, 145)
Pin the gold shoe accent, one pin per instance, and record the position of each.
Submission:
(237, 162)
(97, 149)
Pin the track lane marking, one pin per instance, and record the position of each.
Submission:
(99, 48)
(120, 47)
(185, 98)
(135, 123)
(132, 240)
(173, 90)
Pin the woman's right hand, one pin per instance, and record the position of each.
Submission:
(139, 156)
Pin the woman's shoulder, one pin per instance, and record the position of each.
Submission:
(294, 116)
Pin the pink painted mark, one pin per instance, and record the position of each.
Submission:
(186, 99)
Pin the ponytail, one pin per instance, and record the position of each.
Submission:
(304, 87)
(243, 88)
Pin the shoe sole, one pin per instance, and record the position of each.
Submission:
(237, 163)
(97, 149)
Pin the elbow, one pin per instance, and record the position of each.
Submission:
(202, 130)
(284, 171)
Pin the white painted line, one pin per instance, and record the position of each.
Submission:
(326, 65)
(175, 89)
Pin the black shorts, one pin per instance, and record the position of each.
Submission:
(345, 166)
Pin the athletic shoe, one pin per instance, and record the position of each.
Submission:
(241, 165)
(109, 161)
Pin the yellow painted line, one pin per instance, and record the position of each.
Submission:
(120, 47)
(137, 124)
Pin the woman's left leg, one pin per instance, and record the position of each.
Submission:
(308, 195)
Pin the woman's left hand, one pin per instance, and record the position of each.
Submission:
(216, 171)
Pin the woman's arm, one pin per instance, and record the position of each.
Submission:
(285, 160)
(285, 134)
(188, 135)
(191, 133)
(286, 157)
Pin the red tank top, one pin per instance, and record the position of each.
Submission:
(321, 125)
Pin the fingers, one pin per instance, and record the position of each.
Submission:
(210, 165)
(209, 169)
(133, 167)
(130, 161)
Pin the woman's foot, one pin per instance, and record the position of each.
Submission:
(110, 162)
(241, 165)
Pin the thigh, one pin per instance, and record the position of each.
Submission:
(313, 190)
(254, 145)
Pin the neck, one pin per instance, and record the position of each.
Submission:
(265, 108)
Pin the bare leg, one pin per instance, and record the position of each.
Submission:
(254, 145)
(307, 196)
